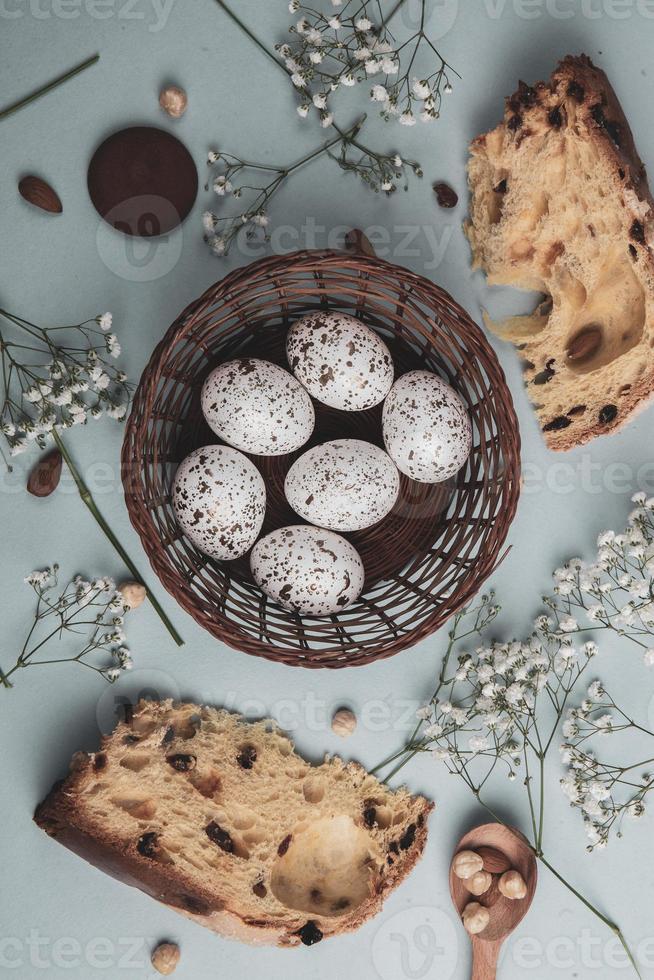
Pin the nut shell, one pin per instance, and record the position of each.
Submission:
(479, 883)
(512, 885)
(165, 958)
(466, 864)
(475, 918)
(173, 100)
(344, 722)
(133, 594)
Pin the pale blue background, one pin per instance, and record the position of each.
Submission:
(70, 267)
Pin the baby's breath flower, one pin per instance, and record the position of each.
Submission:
(80, 624)
(105, 321)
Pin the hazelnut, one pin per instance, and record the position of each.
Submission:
(173, 100)
(165, 958)
(475, 918)
(133, 594)
(466, 864)
(479, 883)
(344, 722)
(512, 885)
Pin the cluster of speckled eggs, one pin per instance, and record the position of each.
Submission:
(344, 485)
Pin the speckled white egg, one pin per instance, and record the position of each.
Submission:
(257, 407)
(219, 499)
(345, 485)
(426, 427)
(339, 360)
(307, 570)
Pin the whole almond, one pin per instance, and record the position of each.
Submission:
(44, 478)
(356, 241)
(494, 861)
(446, 196)
(35, 191)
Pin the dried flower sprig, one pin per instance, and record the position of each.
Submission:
(383, 172)
(91, 609)
(604, 792)
(239, 179)
(616, 591)
(54, 378)
(498, 711)
(57, 377)
(351, 44)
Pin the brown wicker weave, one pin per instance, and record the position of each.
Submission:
(438, 545)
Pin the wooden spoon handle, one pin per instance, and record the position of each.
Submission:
(484, 959)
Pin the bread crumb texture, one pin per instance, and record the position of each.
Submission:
(560, 204)
(222, 820)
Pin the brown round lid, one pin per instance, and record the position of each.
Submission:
(143, 181)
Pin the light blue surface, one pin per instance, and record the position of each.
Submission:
(68, 267)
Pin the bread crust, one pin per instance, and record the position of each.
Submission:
(598, 114)
(62, 816)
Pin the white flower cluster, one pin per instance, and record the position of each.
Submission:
(334, 50)
(379, 171)
(51, 383)
(93, 609)
(616, 590)
(495, 698)
(604, 792)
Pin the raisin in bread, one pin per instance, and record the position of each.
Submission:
(223, 821)
(560, 204)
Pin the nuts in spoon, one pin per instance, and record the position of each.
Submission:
(475, 918)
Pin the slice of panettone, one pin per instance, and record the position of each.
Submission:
(223, 821)
(560, 204)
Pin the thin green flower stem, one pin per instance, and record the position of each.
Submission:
(389, 17)
(49, 87)
(613, 926)
(349, 134)
(253, 37)
(87, 498)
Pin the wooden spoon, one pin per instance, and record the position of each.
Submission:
(505, 915)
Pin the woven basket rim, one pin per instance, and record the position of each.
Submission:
(219, 624)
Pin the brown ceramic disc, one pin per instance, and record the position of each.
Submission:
(143, 181)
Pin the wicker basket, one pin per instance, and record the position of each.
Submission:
(440, 542)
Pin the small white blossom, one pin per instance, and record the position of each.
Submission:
(105, 321)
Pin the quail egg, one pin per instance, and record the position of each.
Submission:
(308, 570)
(339, 360)
(427, 431)
(258, 407)
(345, 485)
(219, 499)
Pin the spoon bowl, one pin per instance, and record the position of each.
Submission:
(505, 914)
